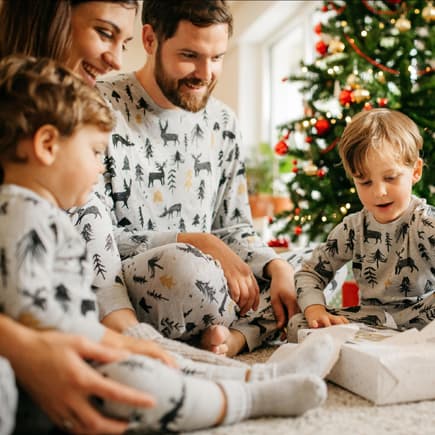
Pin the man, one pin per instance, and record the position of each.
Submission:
(175, 186)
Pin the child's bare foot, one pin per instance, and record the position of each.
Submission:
(222, 340)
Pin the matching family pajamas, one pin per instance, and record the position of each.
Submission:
(393, 265)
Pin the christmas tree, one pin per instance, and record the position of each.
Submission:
(370, 53)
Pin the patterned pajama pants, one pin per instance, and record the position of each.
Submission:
(8, 398)
(178, 399)
(180, 291)
(397, 316)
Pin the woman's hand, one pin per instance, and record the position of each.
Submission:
(138, 346)
(55, 374)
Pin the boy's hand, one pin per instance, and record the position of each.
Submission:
(318, 317)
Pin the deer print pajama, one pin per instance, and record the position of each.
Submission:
(393, 265)
(172, 171)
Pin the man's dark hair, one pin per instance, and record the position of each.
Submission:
(164, 16)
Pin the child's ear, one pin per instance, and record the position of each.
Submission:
(46, 144)
(418, 170)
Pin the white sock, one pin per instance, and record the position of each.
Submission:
(286, 396)
(316, 355)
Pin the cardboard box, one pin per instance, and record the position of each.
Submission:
(385, 366)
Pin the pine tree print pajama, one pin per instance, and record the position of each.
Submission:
(393, 264)
(46, 283)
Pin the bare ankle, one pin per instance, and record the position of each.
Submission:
(236, 342)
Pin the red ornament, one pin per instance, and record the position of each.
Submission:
(321, 172)
(278, 243)
(345, 97)
(322, 126)
(281, 148)
(295, 162)
(270, 220)
(297, 211)
(295, 170)
(318, 28)
(321, 47)
(324, 8)
(368, 106)
(308, 139)
(298, 230)
(287, 135)
(382, 102)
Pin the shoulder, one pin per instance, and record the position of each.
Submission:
(23, 212)
(113, 88)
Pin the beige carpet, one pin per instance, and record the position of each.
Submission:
(343, 413)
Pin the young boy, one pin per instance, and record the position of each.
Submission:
(390, 242)
(53, 132)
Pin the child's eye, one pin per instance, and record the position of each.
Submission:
(392, 178)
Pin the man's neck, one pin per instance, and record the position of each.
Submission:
(146, 78)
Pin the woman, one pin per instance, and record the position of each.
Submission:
(89, 37)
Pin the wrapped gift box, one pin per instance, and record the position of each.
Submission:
(383, 365)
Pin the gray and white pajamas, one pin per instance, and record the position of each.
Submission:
(8, 398)
(46, 283)
(172, 171)
(393, 265)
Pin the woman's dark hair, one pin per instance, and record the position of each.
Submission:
(164, 16)
(40, 28)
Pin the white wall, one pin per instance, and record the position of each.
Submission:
(245, 74)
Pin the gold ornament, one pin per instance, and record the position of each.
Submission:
(380, 77)
(310, 169)
(428, 13)
(403, 24)
(353, 81)
(336, 46)
(360, 95)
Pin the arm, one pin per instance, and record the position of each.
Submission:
(59, 380)
(317, 271)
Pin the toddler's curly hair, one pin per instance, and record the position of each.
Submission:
(36, 92)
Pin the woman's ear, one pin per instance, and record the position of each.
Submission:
(149, 39)
(45, 144)
(418, 170)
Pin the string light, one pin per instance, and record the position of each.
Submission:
(324, 219)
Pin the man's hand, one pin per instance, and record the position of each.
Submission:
(241, 281)
(318, 317)
(282, 290)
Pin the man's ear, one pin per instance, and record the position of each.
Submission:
(46, 144)
(149, 39)
(417, 171)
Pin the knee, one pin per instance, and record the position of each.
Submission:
(9, 397)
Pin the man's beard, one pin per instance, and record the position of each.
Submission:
(171, 89)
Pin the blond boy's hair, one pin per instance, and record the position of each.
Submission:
(36, 92)
(380, 130)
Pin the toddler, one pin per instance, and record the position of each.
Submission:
(390, 242)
